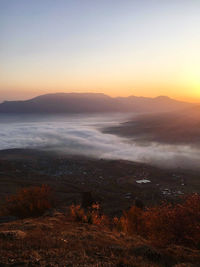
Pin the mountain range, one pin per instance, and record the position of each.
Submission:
(91, 103)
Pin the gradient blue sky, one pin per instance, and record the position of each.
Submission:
(119, 47)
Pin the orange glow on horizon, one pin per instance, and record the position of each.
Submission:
(175, 93)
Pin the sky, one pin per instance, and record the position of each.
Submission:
(117, 47)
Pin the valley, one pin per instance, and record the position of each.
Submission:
(115, 184)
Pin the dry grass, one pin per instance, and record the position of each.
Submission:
(56, 241)
(85, 237)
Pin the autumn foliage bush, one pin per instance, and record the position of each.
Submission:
(91, 215)
(167, 223)
(29, 202)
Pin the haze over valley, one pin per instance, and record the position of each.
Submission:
(115, 128)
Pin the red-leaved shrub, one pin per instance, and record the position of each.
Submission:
(91, 215)
(29, 202)
(167, 223)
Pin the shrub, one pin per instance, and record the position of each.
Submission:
(29, 202)
(132, 221)
(91, 215)
(167, 223)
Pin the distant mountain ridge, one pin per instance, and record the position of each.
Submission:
(91, 103)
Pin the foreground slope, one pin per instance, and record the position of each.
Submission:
(56, 241)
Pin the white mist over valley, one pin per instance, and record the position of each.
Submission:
(83, 135)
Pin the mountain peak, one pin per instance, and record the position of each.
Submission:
(91, 103)
(72, 94)
(163, 97)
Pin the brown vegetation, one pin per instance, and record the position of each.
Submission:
(155, 236)
(92, 215)
(163, 224)
(166, 224)
(29, 202)
(57, 241)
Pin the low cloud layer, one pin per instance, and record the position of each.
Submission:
(82, 135)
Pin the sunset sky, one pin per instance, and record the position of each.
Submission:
(117, 47)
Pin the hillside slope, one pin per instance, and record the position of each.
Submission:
(169, 128)
(56, 241)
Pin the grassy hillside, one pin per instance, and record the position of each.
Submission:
(56, 241)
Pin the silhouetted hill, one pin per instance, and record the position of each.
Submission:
(180, 127)
(90, 102)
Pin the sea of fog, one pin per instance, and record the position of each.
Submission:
(82, 135)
